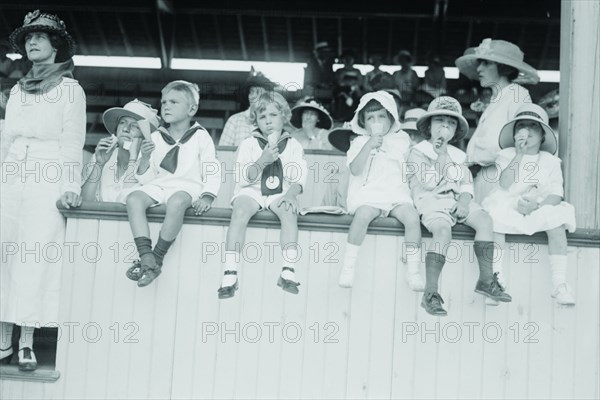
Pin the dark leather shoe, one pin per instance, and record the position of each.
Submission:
(286, 284)
(148, 276)
(432, 303)
(6, 355)
(493, 290)
(226, 292)
(27, 360)
(135, 271)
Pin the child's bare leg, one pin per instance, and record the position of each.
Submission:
(411, 251)
(177, 204)
(557, 251)
(484, 251)
(363, 216)
(288, 241)
(244, 208)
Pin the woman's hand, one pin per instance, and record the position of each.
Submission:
(70, 199)
(147, 148)
(102, 152)
(203, 204)
(289, 202)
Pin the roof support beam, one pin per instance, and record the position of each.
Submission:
(126, 42)
(288, 25)
(218, 35)
(242, 37)
(80, 42)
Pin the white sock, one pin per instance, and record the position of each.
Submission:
(232, 260)
(351, 255)
(26, 339)
(6, 329)
(413, 261)
(558, 263)
(290, 257)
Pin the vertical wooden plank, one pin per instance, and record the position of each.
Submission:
(586, 368)
(520, 321)
(269, 362)
(473, 309)
(360, 332)
(451, 328)
(540, 355)
(203, 373)
(298, 329)
(565, 338)
(253, 328)
(406, 333)
(83, 270)
(383, 293)
(335, 334)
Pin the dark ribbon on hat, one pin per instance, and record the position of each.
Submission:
(169, 162)
(530, 113)
(273, 171)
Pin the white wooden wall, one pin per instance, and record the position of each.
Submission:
(358, 343)
(321, 172)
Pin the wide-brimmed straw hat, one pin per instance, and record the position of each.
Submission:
(324, 122)
(531, 112)
(37, 21)
(499, 51)
(410, 119)
(135, 109)
(445, 105)
(341, 137)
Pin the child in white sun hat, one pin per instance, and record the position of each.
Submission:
(529, 197)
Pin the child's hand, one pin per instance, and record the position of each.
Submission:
(147, 148)
(102, 152)
(375, 141)
(269, 155)
(521, 140)
(526, 206)
(440, 146)
(203, 204)
(70, 199)
(460, 209)
(288, 202)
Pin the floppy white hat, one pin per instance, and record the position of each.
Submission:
(135, 109)
(531, 112)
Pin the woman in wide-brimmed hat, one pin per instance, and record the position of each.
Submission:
(44, 131)
(108, 177)
(499, 65)
(312, 123)
(529, 197)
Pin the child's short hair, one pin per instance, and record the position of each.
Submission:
(372, 106)
(260, 104)
(190, 89)
(426, 132)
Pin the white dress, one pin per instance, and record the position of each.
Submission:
(382, 183)
(42, 150)
(538, 177)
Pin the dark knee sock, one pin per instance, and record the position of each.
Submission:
(433, 268)
(161, 248)
(143, 244)
(484, 251)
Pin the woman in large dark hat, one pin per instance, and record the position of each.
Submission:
(44, 131)
(312, 123)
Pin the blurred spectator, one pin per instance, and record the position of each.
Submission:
(238, 127)
(435, 79)
(21, 67)
(372, 81)
(6, 64)
(405, 78)
(346, 91)
(319, 68)
(312, 123)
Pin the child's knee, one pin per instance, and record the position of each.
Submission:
(484, 223)
(135, 199)
(365, 215)
(442, 230)
(179, 202)
(241, 213)
(287, 217)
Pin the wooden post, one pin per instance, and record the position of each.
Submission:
(579, 125)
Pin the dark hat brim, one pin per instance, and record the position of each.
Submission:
(340, 138)
(325, 121)
(17, 39)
